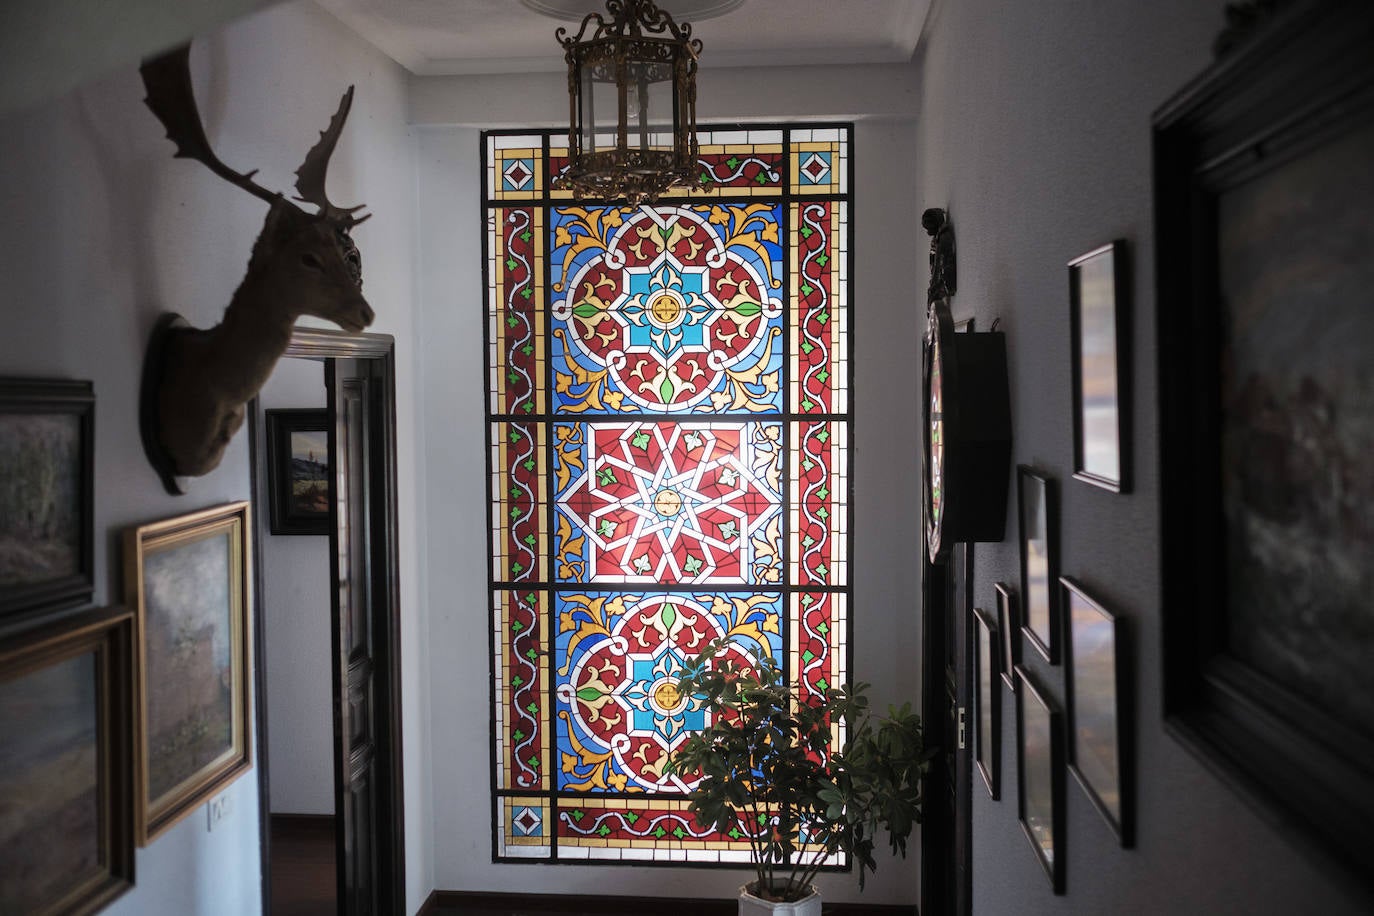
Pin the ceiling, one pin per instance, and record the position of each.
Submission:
(440, 37)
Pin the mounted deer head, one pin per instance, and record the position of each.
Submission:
(196, 382)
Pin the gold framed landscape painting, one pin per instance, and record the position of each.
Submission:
(66, 786)
(187, 577)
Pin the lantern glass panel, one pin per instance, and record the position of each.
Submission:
(600, 114)
(649, 105)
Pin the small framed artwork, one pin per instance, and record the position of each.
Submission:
(1097, 702)
(298, 484)
(1010, 630)
(187, 577)
(987, 664)
(47, 462)
(66, 713)
(1039, 561)
(1098, 322)
(1040, 775)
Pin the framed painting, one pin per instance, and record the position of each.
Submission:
(298, 478)
(66, 765)
(1101, 349)
(187, 577)
(987, 664)
(1010, 629)
(1098, 699)
(47, 461)
(1266, 422)
(1040, 775)
(1039, 561)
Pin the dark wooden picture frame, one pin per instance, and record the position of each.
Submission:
(47, 455)
(66, 713)
(1262, 204)
(298, 485)
(1098, 699)
(1040, 775)
(1037, 513)
(188, 580)
(1009, 626)
(987, 701)
(1101, 345)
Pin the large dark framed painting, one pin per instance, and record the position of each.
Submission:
(188, 579)
(1040, 775)
(66, 765)
(1036, 510)
(298, 470)
(1098, 700)
(1101, 351)
(47, 458)
(1264, 196)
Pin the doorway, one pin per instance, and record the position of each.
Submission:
(356, 842)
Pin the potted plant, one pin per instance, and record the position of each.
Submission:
(766, 768)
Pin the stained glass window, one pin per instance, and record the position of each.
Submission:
(669, 423)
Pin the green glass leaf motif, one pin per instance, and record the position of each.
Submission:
(808, 542)
(761, 178)
(808, 600)
(823, 375)
(515, 492)
(823, 492)
(532, 654)
(588, 694)
(585, 310)
(527, 349)
(517, 736)
(527, 293)
(512, 321)
(577, 814)
(807, 289)
(515, 514)
(517, 568)
(807, 232)
(669, 616)
(659, 833)
(734, 833)
(822, 514)
(822, 569)
(728, 531)
(733, 162)
(808, 405)
(526, 236)
(692, 565)
(679, 832)
(531, 540)
(823, 628)
(529, 464)
(517, 681)
(603, 830)
(808, 464)
(748, 309)
(516, 435)
(511, 263)
(823, 685)
(808, 657)
(665, 391)
(823, 435)
(533, 762)
(606, 528)
(512, 377)
(605, 475)
(516, 626)
(822, 317)
(631, 818)
(640, 440)
(527, 407)
(532, 709)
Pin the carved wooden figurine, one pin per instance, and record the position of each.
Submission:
(196, 382)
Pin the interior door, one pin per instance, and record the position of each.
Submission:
(946, 843)
(354, 647)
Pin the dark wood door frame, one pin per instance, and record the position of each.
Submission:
(388, 829)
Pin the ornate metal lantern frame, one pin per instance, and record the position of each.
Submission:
(639, 47)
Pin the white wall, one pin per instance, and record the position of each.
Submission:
(1035, 133)
(102, 230)
(295, 613)
(887, 310)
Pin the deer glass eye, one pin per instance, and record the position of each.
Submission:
(312, 261)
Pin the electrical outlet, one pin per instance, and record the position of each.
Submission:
(218, 809)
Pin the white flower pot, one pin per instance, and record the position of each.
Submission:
(749, 905)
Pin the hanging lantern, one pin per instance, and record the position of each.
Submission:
(632, 92)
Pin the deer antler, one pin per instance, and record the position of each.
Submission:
(171, 98)
(310, 176)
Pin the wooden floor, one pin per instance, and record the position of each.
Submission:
(303, 878)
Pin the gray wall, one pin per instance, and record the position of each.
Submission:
(295, 614)
(1035, 132)
(101, 230)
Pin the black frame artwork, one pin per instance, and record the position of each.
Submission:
(284, 472)
(69, 777)
(1262, 205)
(1101, 377)
(1098, 699)
(987, 708)
(1039, 768)
(36, 417)
(1009, 627)
(1037, 513)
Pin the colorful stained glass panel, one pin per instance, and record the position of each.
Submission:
(820, 503)
(820, 316)
(644, 829)
(670, 503)
(522, 738)
(667, 309)
(516, 312)
(518, 528)
(515, 167)
(616, 659)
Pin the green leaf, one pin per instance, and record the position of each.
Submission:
(586, 310)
